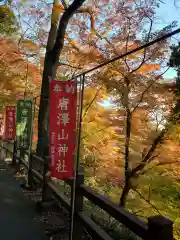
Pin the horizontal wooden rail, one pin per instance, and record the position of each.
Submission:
(7, 141)
(62, 199)
(24, 163)
(138, 226)
(128, 219)
(158, 227)
(39, 159)
(93, 229)
(5, 148)
(37, 175)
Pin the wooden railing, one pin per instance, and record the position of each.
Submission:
(157, 228)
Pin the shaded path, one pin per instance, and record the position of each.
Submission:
(16, 214)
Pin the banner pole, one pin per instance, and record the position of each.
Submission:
(29, 183)
(78, 141)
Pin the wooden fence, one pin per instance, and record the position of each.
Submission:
(157, 228)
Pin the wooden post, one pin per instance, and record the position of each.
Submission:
(44, 185)
(18, 152)
(160, 228)
(14, 153)
(78, 207)
(29, 174)
(46, 200)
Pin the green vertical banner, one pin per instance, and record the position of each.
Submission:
(24, 123)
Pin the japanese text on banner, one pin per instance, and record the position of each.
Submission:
(24, 124)
(63, 100)
(10, 122)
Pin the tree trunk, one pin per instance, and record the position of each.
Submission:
(127, 185)
(43, 118)
(125, 192)
(127, 142)
(51, 61)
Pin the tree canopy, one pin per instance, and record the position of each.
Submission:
(129, 148)
(8, 21)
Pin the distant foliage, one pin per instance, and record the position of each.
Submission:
(130, 148)
(8, 22)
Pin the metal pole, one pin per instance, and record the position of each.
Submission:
(29, 178)
(161, 38)
(15, 141)
(25, 90)
(80, 121)
(78, 141)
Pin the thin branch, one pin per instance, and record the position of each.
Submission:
(145, 49)
(148, 155)
(167, 163)
(127, 41)
(89, 105)
(65, 64)
(161, 38)
(88, 10)
(99, 130)
(148, 201)
(143, 93)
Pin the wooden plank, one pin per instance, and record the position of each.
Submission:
(25, 164)
(37, 158)
(126, 218)
(92, 228)
(63, 199)
(37, 175)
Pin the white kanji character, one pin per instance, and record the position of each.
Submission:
(10, 114)
(62, 135)
(60, 166)
(10, 119)
(28, 104)
(70, 88)
(57, 88)
(10, 130)
(62, 149)
(24, 112)
(21, 104)
(24, 119)
(63, 118)
(63, 103)
(53, 137)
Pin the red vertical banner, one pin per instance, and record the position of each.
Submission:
(10, 123)
(63, 102)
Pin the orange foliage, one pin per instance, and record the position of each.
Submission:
(148, 68)
(13, 71)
